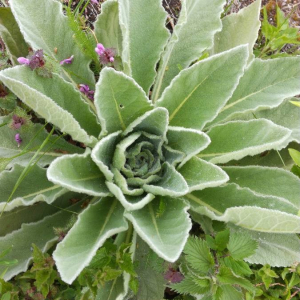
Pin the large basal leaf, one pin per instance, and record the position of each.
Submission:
(78, 173)
(13, 219)
(261, 87)
(10, 153)
(119, 100)
(203, 96)
(112, 290)
(197, 24)
(267, 181)
(16, 80)
(34, 17)
(107, 28)
(143, 25)
(186, 140)
(239, 29)
(40, 233)
(61, 92)
(11, 35)
(161, 230)
(34, 188)
(286, 115)
(97, 223)
(200, 174)
(237, 139)
(275, 249)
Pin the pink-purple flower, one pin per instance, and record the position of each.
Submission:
(173, 276)
(34, 61)
(85, 89)
(67, 61)
(17, 122)
(106, 54)
(95, 1)
(18, 139)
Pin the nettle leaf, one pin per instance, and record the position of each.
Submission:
(78, 173)
(160, 233)
(247, 209)
(119, 100)
(12, 154)
(34, 188)
(226, 276)
(200, 174)
(107, 28)
(16, 80)
(98, 222)
(60, 91)
(267, 181)
(197, 24)
(40, 233)
(239, 29)
(202, 83)
(260, 87)
(241, 245)
(31, 18)
(237, 139)
(198, 255)
(11, 35)
(239, 267)
(142, 23)
(186, 140)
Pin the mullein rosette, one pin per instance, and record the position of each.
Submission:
(165, 137)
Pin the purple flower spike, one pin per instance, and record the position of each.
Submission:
(173, 276)
(67, 61)
(95, 1)
(36, 60)
(85, 89)
(100, 49)
(18, 139)
(23, 61)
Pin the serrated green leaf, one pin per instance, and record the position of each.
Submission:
(267, 181)
(11, 35)
(202, 82)
(229, 292)
(98, 222)
(189, 286)
(222, 239)
(239, 29)
(40, 233)
(119, 100)
(226, 276)
(237, 139)
(78, 173)
(142, 23)
(107, 28)
(186, 140)
(196, 26)
(241, 246)
(198, 255)
(31, 17)
(160, 233)
(200, 174)
(238, 267)
(34, 188)
(17, 79)
(260, 87)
